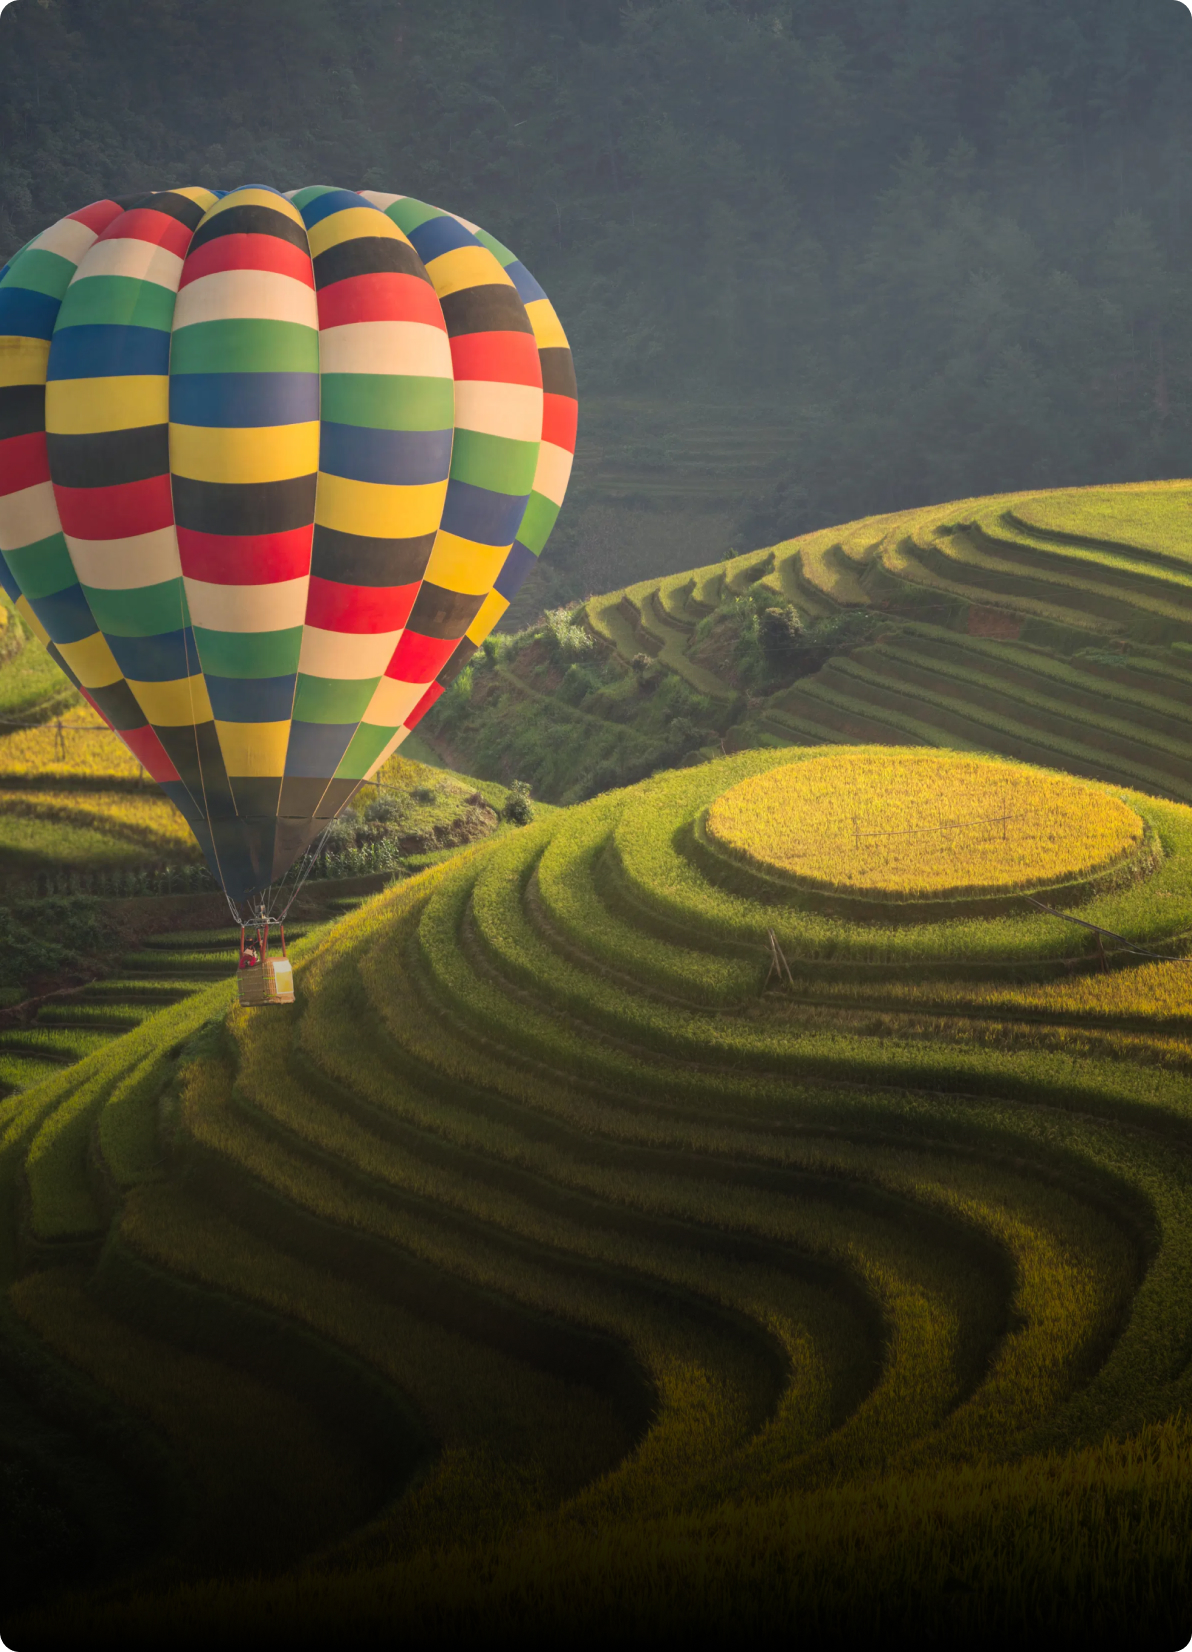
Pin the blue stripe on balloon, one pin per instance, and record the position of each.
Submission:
(527, 288)
(252, 699)
(478, 513)
(165, 658)
(406, 458)
(96, 351)
(26, 314)
(513, 570)
(440, 235)
(240, 400)
(8, 580)
(316, 748)
(335, 200)
(65, 614)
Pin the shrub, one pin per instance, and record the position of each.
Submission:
(383, 810)
(780, 635)
(566, 640)
(518, 808)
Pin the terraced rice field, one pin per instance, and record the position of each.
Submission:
(903, 823)
(66, 1027)
(1055, 628)
(555, 1260)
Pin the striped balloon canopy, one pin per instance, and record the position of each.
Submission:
(271, 469)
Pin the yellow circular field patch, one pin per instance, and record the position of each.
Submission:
(906, 823)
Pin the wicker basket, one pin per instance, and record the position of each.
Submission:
(270, 982)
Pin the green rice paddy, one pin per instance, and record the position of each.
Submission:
(589, 1265)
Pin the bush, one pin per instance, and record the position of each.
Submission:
(383, 810)
(780, 634)
(566, 641)
(518, 808)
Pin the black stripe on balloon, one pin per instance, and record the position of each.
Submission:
(558, 372)
(257, 795)
(251, 219)
(441, 613)
(179, 207)
(367, 255)
(108, 458)
(291, 838)
(353, 559)
(495, 309)
(22, 410)
(118, 704)
(194, 751)
(244, 507)
(457, 662)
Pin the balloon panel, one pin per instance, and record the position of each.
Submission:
(271, 469)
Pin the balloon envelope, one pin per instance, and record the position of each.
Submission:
(271, 469)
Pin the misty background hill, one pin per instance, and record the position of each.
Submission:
(816, 258)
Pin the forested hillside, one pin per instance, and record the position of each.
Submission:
(818, 258)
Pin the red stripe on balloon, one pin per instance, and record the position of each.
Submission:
(145, 746)
(24, 462)
(364, 609)
(418, 659)
(116, 513)
(245, 559)
(559, 418)
(247, 252)
(97, 216)
(144, 224)
(424, 705)
(384, 296)
(505, 358)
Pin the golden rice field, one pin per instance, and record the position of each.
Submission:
(146, 819)
(76, 747)
(549, 1261)
(882, 821)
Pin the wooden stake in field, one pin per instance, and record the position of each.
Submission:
(778, 963)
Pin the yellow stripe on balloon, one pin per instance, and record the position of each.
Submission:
(206, 198)
(79, 407)
(91, 661)
(462, 566)
(256, 749)
(464, 267)
(379, 510)
(487, 615)
(348, 225)
(23, 360)
(24, 609)
(264, 453)
(175, 704)
(255, 197)
(548, 331)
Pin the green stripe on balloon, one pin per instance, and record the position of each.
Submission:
(241, 346)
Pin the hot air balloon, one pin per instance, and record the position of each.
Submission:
(271, 468)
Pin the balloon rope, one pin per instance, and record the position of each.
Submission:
(184, 616)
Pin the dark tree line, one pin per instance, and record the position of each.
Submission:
(944, 240)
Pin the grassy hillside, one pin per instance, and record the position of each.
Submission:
(609, 1234)
(1051, 627)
